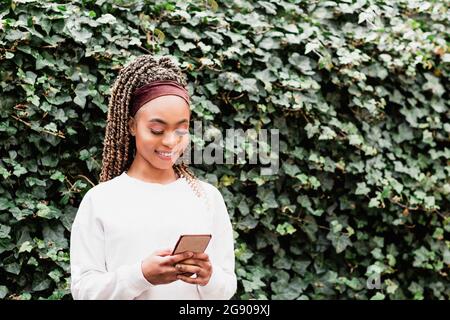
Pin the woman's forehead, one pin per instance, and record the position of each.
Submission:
(171, 109)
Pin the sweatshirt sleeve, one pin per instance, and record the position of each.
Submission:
(90, 278)
(223, 283)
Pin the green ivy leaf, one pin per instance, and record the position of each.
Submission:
(378, 296)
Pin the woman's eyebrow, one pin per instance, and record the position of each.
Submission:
(163, 122)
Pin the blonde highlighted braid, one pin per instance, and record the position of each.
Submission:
(119, 146)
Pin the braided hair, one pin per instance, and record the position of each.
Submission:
(119, 147)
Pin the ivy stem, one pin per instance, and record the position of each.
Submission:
(56, 134)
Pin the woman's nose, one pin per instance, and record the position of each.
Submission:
(171, 139)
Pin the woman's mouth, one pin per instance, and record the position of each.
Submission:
(165, 155)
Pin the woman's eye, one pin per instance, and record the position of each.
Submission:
(177, 132)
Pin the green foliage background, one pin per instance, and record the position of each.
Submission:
(357, 88)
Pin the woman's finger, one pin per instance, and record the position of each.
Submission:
(201, 256)
(182, 268)
(172, 260)
(195, 262)
(171, 269)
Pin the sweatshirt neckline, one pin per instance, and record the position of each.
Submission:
(150, 184)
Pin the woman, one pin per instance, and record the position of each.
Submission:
(126, 226)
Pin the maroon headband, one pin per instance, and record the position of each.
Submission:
(156, 89)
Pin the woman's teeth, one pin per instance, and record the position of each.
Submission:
(165, 154)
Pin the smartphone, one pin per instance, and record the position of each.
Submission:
(196, 243)
(191, 242)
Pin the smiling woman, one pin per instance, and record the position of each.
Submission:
(125, 227)
(160, 128)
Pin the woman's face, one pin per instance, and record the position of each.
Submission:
(161, 130)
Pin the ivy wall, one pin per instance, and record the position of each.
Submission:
(357, 88)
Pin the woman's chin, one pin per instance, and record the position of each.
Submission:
(163, 164)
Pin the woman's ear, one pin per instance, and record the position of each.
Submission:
(132, 126)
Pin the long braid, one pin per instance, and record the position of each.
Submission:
(119, 147)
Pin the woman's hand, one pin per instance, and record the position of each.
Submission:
(159, 268)
(198, 264)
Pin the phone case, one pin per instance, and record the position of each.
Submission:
(192, 242)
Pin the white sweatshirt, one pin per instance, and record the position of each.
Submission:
(122, 221)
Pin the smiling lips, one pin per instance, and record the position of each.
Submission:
(165, 155)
